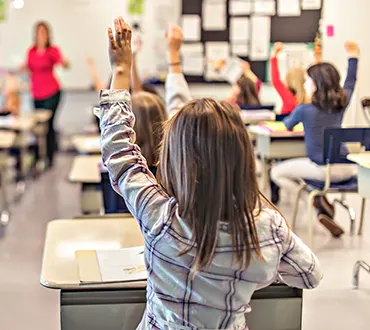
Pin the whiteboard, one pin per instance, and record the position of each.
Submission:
(80, 29)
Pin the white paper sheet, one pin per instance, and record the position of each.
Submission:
(311, 4)
(240, 7)
(265, 7)
(260, 39)
(122, 265)
(240, 49)
(191, 27)
(215, 51)
(232, 70)
(214, 15)
(289, 8)
(193, 59)
(239, 29)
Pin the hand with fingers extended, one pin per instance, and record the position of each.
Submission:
(174, 38)
(352, 49)
(120, 54)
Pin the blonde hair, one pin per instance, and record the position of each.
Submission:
(150, 113)
(207, 164)
(295, 80)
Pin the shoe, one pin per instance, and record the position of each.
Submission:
(331, 225)
(324, 206)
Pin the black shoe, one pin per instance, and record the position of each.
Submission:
(275, 193)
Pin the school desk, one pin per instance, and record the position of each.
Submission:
(85, 171)
(276, 145)
(87, 144)
(120, 306)
(363, 164)
(7, 139)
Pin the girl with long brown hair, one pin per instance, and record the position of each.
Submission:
(211, 238)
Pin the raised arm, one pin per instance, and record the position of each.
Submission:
(286, 95)
(177, 88)
(246, 67)
(128, 170)
(98, 84)
(353, 52)
(299, 267)
(136, 83)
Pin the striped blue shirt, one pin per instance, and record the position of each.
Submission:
(218, 297)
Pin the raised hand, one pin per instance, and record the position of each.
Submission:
(278, 47)
(352, 49)
(174, 37)
(120, 52)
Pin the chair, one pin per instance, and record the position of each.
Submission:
(356, 272)
(113, 203)
(333, 141)
(268, 107)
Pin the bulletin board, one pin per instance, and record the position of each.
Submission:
(295, 29)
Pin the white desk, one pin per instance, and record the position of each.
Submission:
(87, 144)
(281, 145)
(120, 306)
(85, 171)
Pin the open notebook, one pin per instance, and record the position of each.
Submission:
(112, 266)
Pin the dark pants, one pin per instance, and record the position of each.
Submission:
(51, 103)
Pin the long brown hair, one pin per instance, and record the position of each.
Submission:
(150, 113)
(329, 94)
(248, 92)
(295, 79)
(207, 164)
(46, 26)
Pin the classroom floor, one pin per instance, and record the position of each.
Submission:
(24, 304)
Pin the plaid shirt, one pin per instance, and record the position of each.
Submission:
(217, 298)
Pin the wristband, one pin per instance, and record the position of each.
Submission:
(174, 64)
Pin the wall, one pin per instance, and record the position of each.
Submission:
(351, 21)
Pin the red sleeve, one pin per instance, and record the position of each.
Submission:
(258, 85)
(56, 55)
(289, 99)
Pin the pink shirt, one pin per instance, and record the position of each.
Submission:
(43, 81)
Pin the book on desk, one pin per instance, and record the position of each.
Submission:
(279, 127)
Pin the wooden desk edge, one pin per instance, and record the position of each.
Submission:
(356, 158)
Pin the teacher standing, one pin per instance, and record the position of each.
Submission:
(42, 57)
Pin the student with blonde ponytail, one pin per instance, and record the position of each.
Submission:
(211, 239)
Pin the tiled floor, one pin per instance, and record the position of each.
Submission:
(24, 304)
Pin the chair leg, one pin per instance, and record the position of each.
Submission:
(351, 212)
(356, 272)
(363, 206)
(311, 197)
(296, 204)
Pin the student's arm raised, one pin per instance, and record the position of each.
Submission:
(177, 89)
(128, 170)
(353, 52)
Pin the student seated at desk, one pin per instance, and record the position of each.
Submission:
(329, 102)
(292, 92)
(211, 238)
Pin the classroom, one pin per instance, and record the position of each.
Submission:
(184, 165)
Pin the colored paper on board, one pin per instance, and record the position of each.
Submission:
(2, 10)
(136, 7)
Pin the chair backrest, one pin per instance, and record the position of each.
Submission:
(113, 203)
(268, 107)
(335, 151)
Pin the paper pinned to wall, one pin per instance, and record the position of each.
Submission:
(193, 59)
(215, 51)
(240, 49)
(239, 29)
(191, 27)
(289, 7)
(311, 4)
(260, 38)
(240, 7)
(265, 7)
(214, 15)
